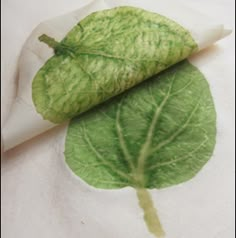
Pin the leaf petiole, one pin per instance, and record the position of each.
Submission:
(150, 214)
(51, 42)
(59, 48)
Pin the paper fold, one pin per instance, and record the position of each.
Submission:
(24, 122)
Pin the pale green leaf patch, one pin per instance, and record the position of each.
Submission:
(105, 54)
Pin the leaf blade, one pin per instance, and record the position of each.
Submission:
(179, 143)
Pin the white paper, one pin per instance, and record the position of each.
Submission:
(42, 198)
(24, 122)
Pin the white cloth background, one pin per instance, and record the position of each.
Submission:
(42, 198)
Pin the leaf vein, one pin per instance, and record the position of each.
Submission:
(181, 129)
(124, 148)
(179, 159)
(105, 162)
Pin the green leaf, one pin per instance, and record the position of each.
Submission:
(158, 134)
(105, 54)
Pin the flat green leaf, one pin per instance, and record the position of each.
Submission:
(158, 134)
(105, 54)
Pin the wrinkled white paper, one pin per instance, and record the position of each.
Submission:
(24, 122)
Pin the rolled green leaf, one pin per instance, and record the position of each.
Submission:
(95, 54)
(105, 54)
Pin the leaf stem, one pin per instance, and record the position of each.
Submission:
(150, 213)
(51, 42)
(59, 48)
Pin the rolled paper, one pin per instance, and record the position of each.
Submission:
(73, 62)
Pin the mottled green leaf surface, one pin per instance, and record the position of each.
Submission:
(158, 134)
(105, 54)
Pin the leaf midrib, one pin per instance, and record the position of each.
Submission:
(145, 149)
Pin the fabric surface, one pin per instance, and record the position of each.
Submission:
(42, 198)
